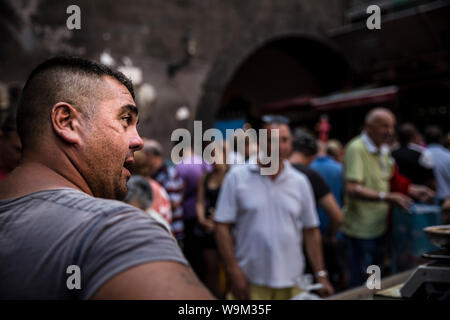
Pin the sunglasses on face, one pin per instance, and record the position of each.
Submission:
(275, 119)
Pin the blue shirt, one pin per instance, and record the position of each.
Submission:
(441, 159)
(331, 171)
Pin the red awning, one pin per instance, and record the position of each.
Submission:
(355, 98)
(340, 100)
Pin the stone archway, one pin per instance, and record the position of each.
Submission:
(323, 69)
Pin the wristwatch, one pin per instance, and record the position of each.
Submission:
(382, 196)
(322, 274)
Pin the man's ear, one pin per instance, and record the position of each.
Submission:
(66, 122)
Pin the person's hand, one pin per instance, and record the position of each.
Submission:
(239, 284)
(399, 199)
(327, 289)
(421, 193)
(208, 224)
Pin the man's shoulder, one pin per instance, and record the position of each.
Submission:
(335, 164)
(325, 164)
(240, 169)
(355, 146)
(243, 175)
(441, 150)
(74, 200)
(305, 170)
(444, 156)
(299, 173)
(356, 143)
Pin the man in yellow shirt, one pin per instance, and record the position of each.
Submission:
(368, 167)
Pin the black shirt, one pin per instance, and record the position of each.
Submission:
(319, 185)
(408, 159)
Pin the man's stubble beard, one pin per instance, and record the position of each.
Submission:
(104, 179)
(110, 185)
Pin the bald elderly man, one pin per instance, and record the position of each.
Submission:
(368, 167)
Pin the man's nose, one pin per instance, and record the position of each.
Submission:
(136, 143)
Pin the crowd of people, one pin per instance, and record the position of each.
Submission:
(324, 212)
(327, 210)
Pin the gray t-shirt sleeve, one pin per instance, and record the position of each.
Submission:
(117, 241)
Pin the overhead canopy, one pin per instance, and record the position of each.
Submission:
(339, 100)
(355, 98)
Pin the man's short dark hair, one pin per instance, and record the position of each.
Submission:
(433, 134)
(306, 144)
(406, 133)
(61, 79)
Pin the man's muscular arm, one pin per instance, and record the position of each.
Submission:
(162, 280)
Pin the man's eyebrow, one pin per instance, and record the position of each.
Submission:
(130, 108)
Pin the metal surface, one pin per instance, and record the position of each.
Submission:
(440, 255)
(439, 235)
(432, 272)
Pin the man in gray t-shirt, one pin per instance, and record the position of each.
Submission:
(44, 233)
(62, 234)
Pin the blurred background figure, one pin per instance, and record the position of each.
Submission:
(161, 201)
(190, 171)
(304, 151)
(441, 160)
(323, 128)
(446, 211)
(208, 192)
(261, 247)
(368, 169)
(168, 177)
(335, 150)
(446, 142)
(140, 195)
(413, 159)
(10, 146)
(327, 165)
(412, 176)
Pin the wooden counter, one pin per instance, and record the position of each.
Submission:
(363, 293)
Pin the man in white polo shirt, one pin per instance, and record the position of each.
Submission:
(262, 222)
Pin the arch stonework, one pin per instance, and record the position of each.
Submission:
(234, 56)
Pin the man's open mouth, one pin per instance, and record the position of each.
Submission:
(129, 165)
